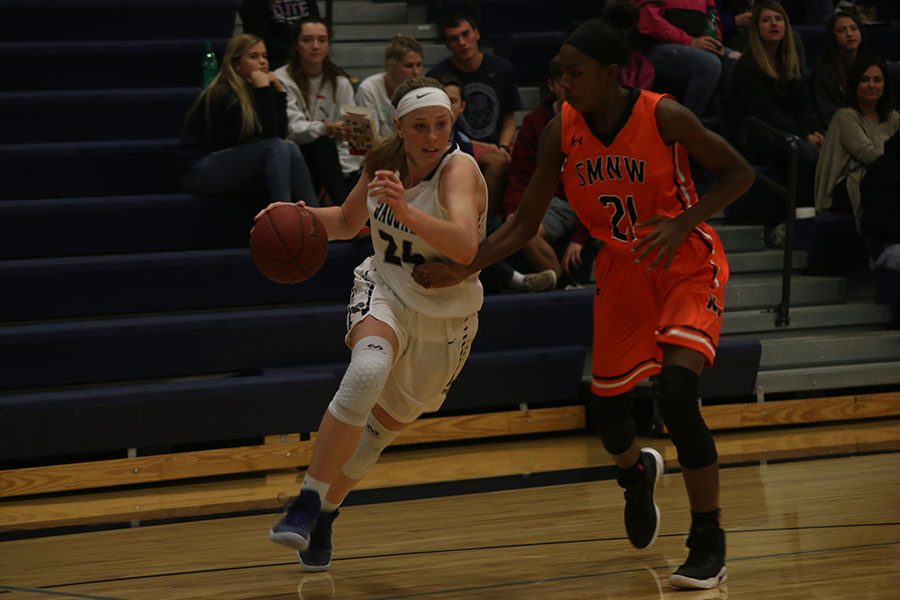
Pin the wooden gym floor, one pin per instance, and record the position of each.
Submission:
(811, 512)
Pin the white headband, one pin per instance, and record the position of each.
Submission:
(421, 97)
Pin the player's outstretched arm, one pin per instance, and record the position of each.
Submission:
(519, 228)
(341, 222)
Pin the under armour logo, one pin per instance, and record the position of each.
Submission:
(576, 140)
(420, 96)
(713, 306)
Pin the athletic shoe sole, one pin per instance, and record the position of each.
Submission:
(689, 583)
(660, 466)
(289, 539)
(314, 568)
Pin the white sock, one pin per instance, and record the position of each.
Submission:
(518, 281)
(320, 487)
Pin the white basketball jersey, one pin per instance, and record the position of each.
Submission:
(398, 250)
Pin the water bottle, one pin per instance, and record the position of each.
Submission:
(210, 65)
(712, 28)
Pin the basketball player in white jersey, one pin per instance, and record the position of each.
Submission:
(425, 201)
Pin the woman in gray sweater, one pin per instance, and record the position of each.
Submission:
(856, 136)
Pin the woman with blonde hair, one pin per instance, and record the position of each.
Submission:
(316, 90)
(233, 139)
(402, 60)
(426, 201)
(767, 83)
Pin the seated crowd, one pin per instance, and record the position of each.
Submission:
(733, 63)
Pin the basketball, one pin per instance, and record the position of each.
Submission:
(288, 244)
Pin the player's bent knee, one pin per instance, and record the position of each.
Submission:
(370, 365)
(611, 418)
(680, 410)
(375, 438)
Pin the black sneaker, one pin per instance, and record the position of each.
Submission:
(318, 556)
(294, 528)
(641, 512)
(705, 565)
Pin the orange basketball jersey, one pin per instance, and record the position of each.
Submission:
(626, 178)
(613, 182)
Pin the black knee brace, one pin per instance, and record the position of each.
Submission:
(680, 411)
(612, 419)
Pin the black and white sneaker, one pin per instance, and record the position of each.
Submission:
(704, 568)
(641, 511)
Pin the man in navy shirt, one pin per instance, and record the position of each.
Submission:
(492, 99)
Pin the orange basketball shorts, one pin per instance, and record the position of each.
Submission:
(637, 310)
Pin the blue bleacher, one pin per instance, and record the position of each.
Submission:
(132, 314)
(158, 346)
(108, 168)
(77, 226)
(117, 114)
(73, 20)
(887, 291)
(504, 16)
(85, 65)
(161, 281)
(160, 414)
(530, 52)
(276, 357)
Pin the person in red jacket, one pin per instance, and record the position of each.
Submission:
(560, 222)
(683, 40)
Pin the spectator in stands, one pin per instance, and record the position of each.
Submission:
(843, 42)
(273, 21)
(492, 99)
(316, 91)
(660, 276)
(560, 223)
(767, 83)
(402, 60)
(684, 43)
(500, 276)
(880, 203)
(425, 202)
(735, 17)
(856, 136)
(233, 138)
(457, 95)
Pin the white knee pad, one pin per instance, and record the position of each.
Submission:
(375, 438)
(370, 365)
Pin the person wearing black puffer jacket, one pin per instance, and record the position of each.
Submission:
(233, 139)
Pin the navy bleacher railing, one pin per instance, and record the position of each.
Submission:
(789, 193)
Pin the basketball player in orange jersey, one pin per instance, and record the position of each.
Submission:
(623, 158)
